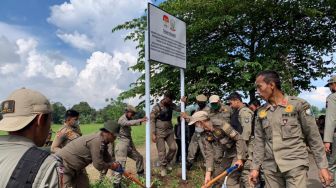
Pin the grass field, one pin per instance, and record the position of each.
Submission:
(138, 132)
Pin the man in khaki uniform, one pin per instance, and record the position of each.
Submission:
(27, 119)
(125, 146)
(225, 152)
(68, 132)
(330, 124)
(241, 120)
(81, 152)
(284, 128)
(195, 141)
(162, 130)
(219, 133)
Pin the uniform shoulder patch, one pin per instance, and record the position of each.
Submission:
(8, 106)
(262, 114)
(289, 108)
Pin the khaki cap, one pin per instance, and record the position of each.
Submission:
(199, 116)
(214, 98)
(21, 107)
(330, 81)
(201, 98)
(111, 126)
(130, 108)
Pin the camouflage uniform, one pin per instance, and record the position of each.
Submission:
(282, 134)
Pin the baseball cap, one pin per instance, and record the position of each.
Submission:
(199, 116)
(201, 98)
(331, 80)
(111, 126)
(130, 108)
(214, 98)
(21, 107)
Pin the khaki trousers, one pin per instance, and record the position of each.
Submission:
(221, 164)
(125, 148)
(195, 143)
(295, 178)
(75, 179)
(161, 141)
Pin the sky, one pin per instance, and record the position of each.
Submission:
(66, 50)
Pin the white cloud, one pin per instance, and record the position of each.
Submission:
(316, 97)
(95, 19)
(77, 40)
(41, 65)
(10, 68)
(65, 70)
(104, 76)
(85, 25)
(12, 32)
(25, 46)
(7, 51)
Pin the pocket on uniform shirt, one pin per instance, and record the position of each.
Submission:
(267, 128)
(290, 130)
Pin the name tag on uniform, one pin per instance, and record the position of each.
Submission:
(289, 115)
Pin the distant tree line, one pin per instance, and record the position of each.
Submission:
(113, 110)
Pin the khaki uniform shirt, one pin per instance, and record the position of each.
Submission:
(282, 134)
(226, 112)
(125, 126)
(161, 128)
(12, 148)
(84, 151)
(245, 117)
(240, 146)
(330, 121)
(221, 116)
(65, 135)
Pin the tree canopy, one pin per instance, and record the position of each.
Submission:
(229, 42)
(58, 112)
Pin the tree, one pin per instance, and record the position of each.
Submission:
(229, 42)
(86, 113)
(58, 112)
(315, 110)
(323, 111)
(112, 111)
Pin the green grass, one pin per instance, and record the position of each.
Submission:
(138, 132)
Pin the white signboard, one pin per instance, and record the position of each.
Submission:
(167, 38)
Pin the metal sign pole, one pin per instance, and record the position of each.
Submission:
(147, 94)
(183, 128)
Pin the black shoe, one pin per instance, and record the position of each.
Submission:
(117, 185)
(188, 165)
(141, 173)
